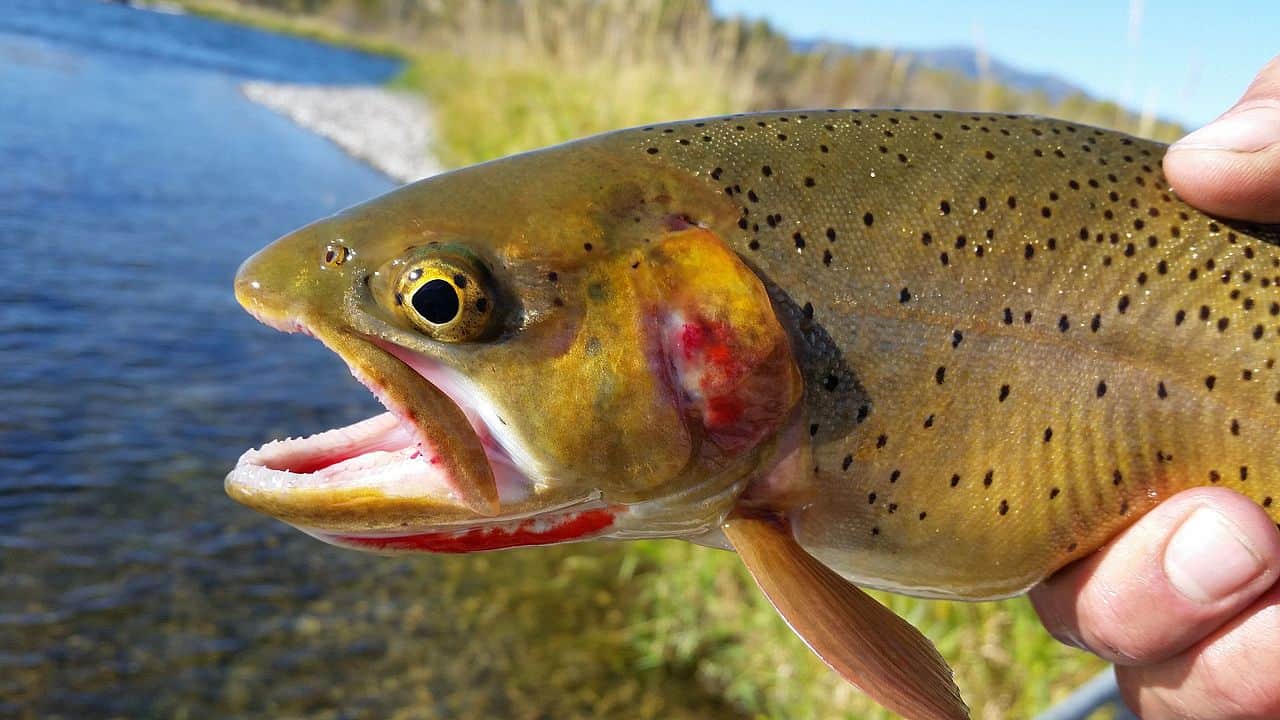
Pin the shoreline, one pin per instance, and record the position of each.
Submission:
(387, 129)
(308, 28)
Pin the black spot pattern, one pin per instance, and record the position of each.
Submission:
(987, 281)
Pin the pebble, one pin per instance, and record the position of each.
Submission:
(387, 129)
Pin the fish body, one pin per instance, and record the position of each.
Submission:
(948, 353)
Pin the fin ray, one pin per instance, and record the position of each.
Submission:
(862, 640)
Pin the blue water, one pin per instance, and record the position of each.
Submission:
(134, 178)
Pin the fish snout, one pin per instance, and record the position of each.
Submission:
(275, 284)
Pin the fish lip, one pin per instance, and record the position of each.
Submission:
(300, 481)
(576, 521)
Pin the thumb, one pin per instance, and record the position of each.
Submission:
(1231, 167)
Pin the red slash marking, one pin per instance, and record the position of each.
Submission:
(709, 345)
(494, 537)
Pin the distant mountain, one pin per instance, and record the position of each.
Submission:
(966, 62)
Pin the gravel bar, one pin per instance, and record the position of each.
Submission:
(389, 130)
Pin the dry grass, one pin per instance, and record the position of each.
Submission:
(504, 82)
(506, 77)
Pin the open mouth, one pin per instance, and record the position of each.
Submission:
(396, 481)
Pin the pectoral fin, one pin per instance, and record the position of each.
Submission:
(856, 636)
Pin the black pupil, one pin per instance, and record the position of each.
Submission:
(436, 301)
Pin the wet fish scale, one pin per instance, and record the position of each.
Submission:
(1014, 338)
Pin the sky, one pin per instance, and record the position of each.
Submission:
(1186, 61)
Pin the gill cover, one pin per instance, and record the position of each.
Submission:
(731, 357)
(713, 345)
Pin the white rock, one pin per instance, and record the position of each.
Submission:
(389, 130)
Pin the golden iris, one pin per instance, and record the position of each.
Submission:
(446, 298)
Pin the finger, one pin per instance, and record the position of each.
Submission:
(1231, 167)
(1230, 675)
(1172, 578)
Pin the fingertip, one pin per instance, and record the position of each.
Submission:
(1200, 557)
(1218, 549)
(1226, 183)
(1231, 167)
(1258, 528)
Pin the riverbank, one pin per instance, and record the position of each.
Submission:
(388, 129)
(294, 24)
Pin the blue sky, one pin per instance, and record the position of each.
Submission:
(1187, 61)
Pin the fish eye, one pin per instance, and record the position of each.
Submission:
(436, 301)
(447, 297)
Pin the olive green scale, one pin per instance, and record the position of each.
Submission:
(1015, 338)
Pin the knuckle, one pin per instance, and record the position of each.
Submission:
(1230, 678)
(1267, 82)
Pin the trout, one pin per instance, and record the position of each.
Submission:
(942, 354)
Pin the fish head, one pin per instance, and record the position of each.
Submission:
(565, 346)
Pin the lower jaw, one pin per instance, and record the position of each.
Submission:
(372, 478)
(550, 529)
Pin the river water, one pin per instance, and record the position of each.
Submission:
(133, 180)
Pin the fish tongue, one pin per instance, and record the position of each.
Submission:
(862, 640)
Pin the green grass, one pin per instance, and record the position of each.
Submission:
(697, 608)
(501, 84)
(665, 629)
(470, 128)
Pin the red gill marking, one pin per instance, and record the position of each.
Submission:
(707, 349)
(692, 338)
(723, 411)
(495, 537)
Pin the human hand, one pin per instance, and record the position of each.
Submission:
(1231, 167)
(1185, 601)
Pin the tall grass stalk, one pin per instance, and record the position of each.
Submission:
(506, 77)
